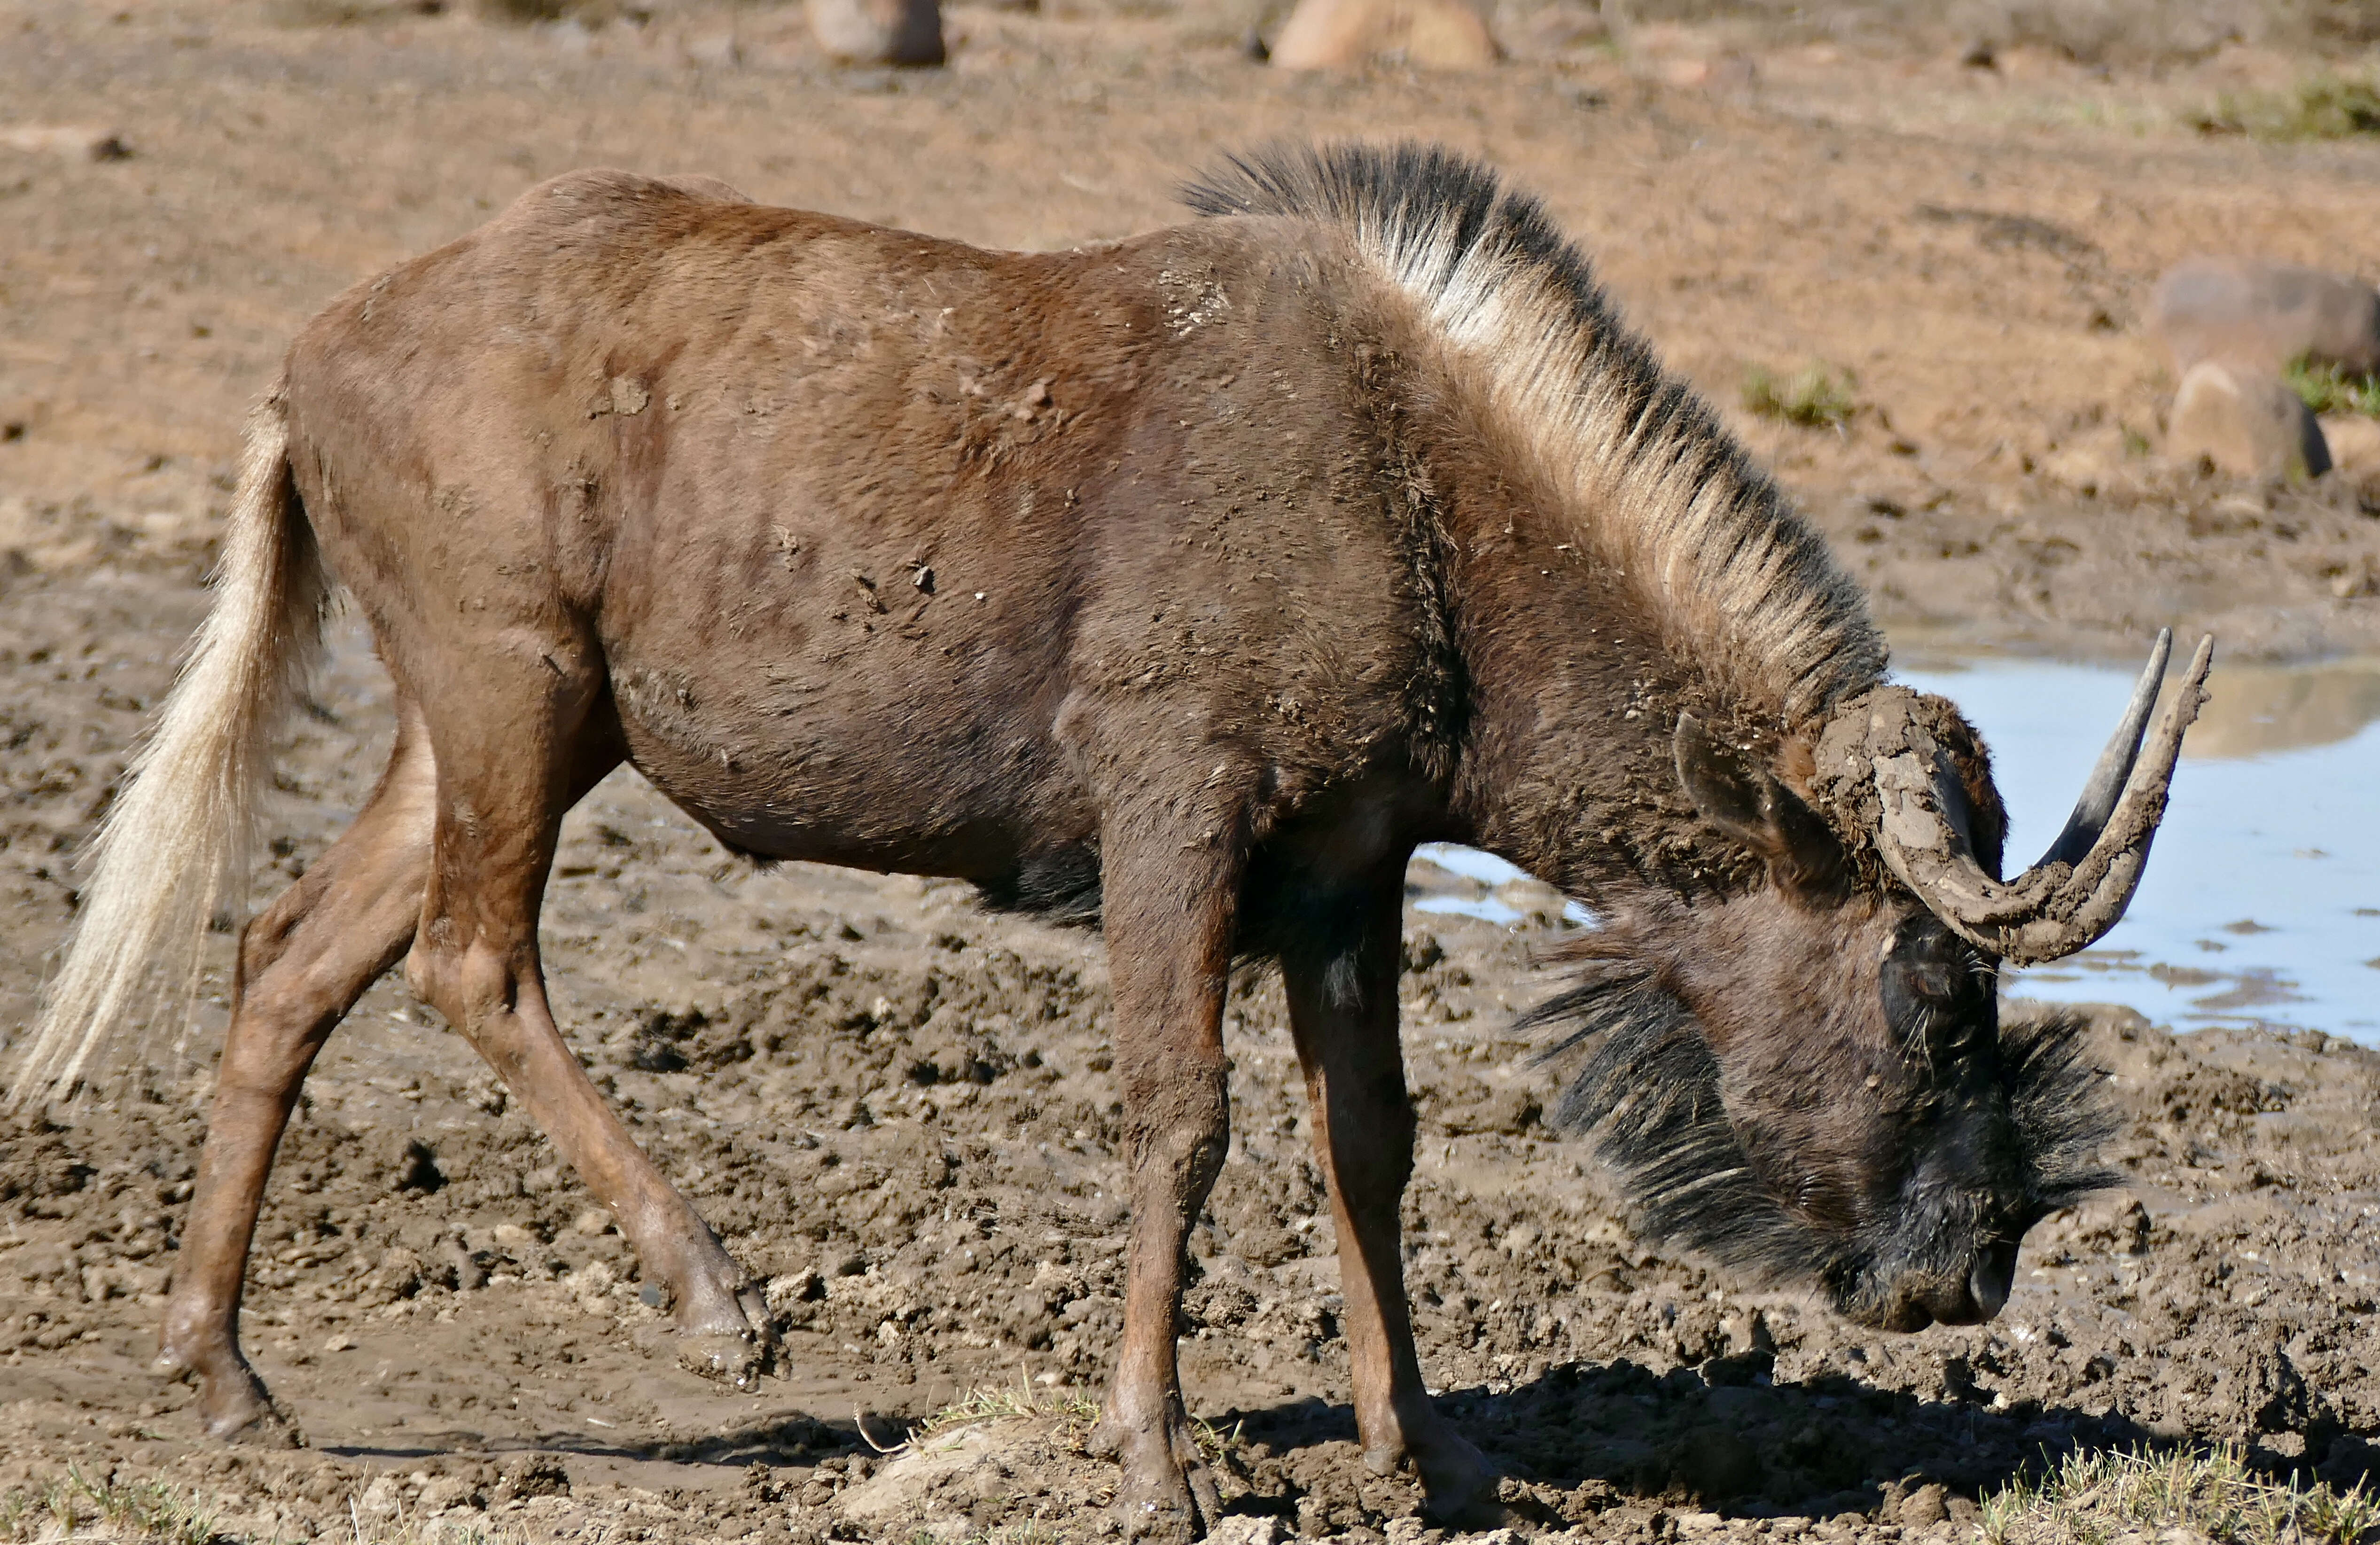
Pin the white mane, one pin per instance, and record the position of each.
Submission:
(1743, 588)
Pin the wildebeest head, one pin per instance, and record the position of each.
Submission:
(1810, 1079)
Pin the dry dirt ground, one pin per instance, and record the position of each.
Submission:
(899, 1109)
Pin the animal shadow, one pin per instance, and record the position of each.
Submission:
(1584, 1438)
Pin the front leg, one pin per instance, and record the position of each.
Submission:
(1341, 985)
(1169, 904)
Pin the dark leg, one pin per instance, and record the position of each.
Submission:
(515, 749)
(1342, 1011)
(303, 963)
(1169, 906)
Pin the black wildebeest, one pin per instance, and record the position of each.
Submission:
(1186, 583)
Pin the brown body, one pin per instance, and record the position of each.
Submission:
(1186, 583)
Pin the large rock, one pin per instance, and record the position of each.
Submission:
(2247, 422)
(1340, 34)
(878, 31)
(75, 142)
(2262, 315)
(2354, 443)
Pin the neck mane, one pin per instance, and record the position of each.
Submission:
(1741, 591)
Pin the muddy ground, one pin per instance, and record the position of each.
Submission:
(899, 1109)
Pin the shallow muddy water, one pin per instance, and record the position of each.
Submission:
(2261, 904)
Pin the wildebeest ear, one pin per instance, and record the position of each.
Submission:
(1747, 803)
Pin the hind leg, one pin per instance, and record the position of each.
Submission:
(515, 749)
(303, 963)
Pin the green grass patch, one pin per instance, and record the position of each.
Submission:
(2328, 107)
(1818, 397)
(2094, 1499)
(2328, 389)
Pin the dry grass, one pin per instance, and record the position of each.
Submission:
(1818, 397)
(2098, 1499)
(2327, 107)
(89, 1512)
(1078, 1413)
(1003, 1403)
(77, 1507)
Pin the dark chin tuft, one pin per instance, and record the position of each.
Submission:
(2059, 1102)
(1645, 1092)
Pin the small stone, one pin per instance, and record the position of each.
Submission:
(878, 31)
(340, 1343)
(1343, 34)
(440, 1493)
(416, 1168)
(594, 1221)
(2246, 423)
(1924, 1507)
(2262, 315)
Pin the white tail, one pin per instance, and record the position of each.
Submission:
(174, 852)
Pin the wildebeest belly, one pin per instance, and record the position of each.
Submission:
(843, 756)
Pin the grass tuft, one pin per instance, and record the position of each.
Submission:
(147, 1511)
(2096, 1499)
(1003, 1403)
(2328, 389)
(1818, 396)
(2329, 107)
(1079, 1412)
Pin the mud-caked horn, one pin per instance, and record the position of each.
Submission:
(2081, 886)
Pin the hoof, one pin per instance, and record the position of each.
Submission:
(1457, 1480)
(735, 1342)
(236, 1408)
(233, 1404)
(1169, 1494)
(732, 1357)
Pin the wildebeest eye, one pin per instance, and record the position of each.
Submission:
(1935, 986)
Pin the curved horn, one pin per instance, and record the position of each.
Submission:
(2069, 900)
(2115, 764)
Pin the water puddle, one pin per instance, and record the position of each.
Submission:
(2261, 904)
